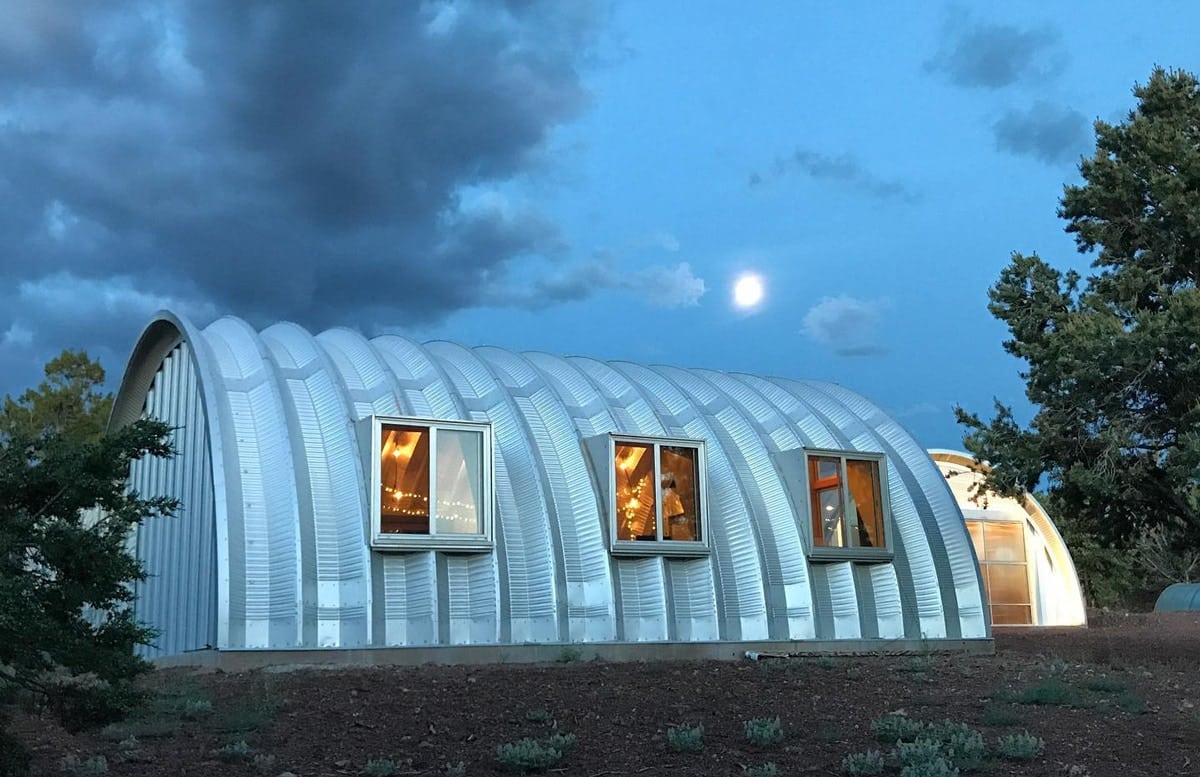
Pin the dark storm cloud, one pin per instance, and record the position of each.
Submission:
(323, 162)
(986, 55)
(1053, 134)
(843, 169)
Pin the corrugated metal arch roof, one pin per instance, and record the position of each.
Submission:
(294, 566)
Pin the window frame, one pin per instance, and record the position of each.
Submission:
(817, 552)
(465, 543)
(984, 516)
(659, 546)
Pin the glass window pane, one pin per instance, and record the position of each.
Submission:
(866, 502)
(459, 482)
(1012, 614)
(1004, 541)
(679, 469)
(975, 529)
(1007, 584)
(404, 480)
(825, 501)
(635, 492)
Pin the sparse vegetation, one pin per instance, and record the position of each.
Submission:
(1019, 747)
(768, 769)
(896, 727)
(455, 770)
(233, 752)
(91, 767)
(685, 738)
(863, 764)
(764, 731)
(539, 715)
(265, 762)
(569, 655)
(534, 755)
(381, 767)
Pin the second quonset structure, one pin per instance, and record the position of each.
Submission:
(1027, 571)
(342, 492)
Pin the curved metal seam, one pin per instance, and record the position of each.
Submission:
(778, 534)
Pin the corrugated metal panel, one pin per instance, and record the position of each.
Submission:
(179, 595)
(528, 578)
(332, 499)
(407, 599)
(911, 523)
(735, 547)
(789, 593)
(369, 383)
(576, 522)
(947, 532)
(261, 456)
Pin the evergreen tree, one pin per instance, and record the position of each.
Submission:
(1113, 359)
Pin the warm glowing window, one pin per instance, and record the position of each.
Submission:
(846, 501)
(433, 483)
(658, 493)
(1000, 548)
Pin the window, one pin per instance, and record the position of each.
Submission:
(1000, 548)
(847, 504)
(432, 484)
(658, 504)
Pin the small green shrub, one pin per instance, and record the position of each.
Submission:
(685, 738)
(863, 764)
(961, 745)
(92, 767)
(896, 727)
(935, 768)
(569, 655)
(769, 769)
(1104, 684)
(1130, 702)
(381, 767)
(764, 731)
(129, 744)
(534, 755)
(539, 715)
(1053, 693)
(827, 662)
(854, 673)
(265, 762)
(455, 770)
(916, 664)
(234, 751)
(919, 751)
(1056, 666)
(1020, 747)
(195, 709)
(999, 716)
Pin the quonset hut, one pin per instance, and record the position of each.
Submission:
(1027, 571)
(340, 492)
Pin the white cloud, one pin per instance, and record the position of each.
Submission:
(668, 287)
(846, 325)
(16, 336)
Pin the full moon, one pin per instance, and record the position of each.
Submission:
(747, 291)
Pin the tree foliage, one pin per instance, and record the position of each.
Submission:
(1112, 360)
(67, 632)
(68, 401)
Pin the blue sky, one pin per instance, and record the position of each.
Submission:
(573, 177)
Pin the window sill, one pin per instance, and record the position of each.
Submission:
(418, 542)
(860, 555)
(664, 548)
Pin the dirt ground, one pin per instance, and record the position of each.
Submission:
(1119, 698)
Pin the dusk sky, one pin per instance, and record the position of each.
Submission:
(572, 177)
